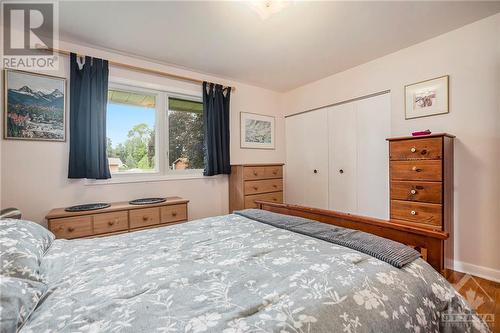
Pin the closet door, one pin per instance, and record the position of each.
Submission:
(373, 127)
(294, 178)
(315, 159)
(342, 155)
(306, 181)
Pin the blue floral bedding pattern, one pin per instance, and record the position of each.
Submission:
(22, 246)
(231, 274)
(18, 298)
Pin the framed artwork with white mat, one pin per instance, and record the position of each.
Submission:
(427, 98)
(257, 131)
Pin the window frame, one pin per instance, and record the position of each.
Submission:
(167, 134)
(158, 105)
(162, 168)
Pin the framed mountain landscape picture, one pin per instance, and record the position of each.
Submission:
(257, 131)
(35, 106)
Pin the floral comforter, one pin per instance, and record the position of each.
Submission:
(232, 274)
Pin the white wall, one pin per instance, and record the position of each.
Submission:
(34, 173)
(471, 56)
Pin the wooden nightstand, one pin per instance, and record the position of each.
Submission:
(120, 217)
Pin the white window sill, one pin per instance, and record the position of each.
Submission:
(142, 178)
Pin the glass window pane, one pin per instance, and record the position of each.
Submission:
(130, 128)
(185, 119)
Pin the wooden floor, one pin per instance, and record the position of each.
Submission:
(483, 295)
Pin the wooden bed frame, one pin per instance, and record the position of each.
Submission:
(430, 243)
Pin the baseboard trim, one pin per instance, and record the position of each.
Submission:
(480, 271)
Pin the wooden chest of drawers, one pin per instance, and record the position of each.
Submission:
(421, 181)
(119, 218)
(250, 182)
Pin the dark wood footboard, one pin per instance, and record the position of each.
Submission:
(430, 243)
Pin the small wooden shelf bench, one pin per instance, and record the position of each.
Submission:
(120, 217)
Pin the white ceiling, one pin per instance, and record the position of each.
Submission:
(304, 42)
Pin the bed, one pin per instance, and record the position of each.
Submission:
(226, 274)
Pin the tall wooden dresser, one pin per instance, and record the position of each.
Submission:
(250, 182)
(421, 180)
(421, 185)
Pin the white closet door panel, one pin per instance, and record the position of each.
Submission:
(306, 151)
(373, 127)
(294, 170)
(342, 156)
(315, 158)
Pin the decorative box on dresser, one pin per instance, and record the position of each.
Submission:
(250, 182)
(421, 183)
(120, 217)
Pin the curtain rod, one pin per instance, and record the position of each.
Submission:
(143, 70)
(340, 103)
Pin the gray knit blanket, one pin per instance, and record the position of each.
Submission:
(389, 251)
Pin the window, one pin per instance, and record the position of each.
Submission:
(153, 132)
(185, 134)
(130, 131)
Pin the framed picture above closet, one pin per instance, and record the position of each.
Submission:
(427, 98)
(256, 131)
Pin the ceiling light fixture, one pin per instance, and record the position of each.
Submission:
(267, 8)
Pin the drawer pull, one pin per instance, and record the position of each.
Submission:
(413, 192)
(255, 173)
(413, 212)
(111, 223)
(423, 152)
(71, 229)
(275, 172)
(255, 188)
(416, 169)
(274, 199)
(144, 218)
(174, 214)
(413, 149)
(275, 186)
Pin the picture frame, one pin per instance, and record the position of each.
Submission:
(34, 106)
(427, 98)
(257, 131)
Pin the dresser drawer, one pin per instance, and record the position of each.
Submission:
(72, 227)
(262, 172)
(173, 213)
(144, 217)
(416, 170)
(416, 149)
(425, 213)
(263, 186)
(110, 222)
(272, 197)
(417, 191)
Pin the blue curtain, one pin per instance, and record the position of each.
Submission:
(88, 99)
(216, 127)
